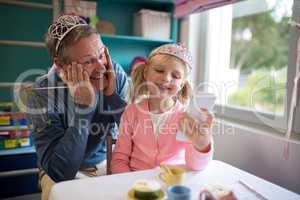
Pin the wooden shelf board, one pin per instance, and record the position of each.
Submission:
(135, 39)
(13, 128)
(16, 151)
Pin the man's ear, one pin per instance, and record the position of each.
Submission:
(145, 72)
(57, 62)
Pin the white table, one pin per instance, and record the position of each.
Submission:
(115, 187)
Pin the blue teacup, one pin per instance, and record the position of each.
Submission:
(179, 192)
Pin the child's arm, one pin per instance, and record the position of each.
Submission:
(198, 159)
(122, 152)
(200, 152)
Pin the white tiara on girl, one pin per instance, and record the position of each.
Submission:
(63, 25)
(177, 50)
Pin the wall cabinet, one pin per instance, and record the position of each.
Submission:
(18, 169)
(124, 46)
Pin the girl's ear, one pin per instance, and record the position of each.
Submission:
(182, 84)
(57, 62)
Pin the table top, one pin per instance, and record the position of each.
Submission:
(116, 187)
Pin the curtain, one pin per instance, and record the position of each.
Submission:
(293, 105)
(186, 7)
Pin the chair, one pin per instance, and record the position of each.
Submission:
(109, 148)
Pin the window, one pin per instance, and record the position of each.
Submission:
(242, 55)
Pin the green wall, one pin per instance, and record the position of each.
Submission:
(24, 24)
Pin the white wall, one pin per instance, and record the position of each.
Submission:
(260, 155)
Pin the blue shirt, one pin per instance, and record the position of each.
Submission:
(67, 136)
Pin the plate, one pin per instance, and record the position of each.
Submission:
(130, 195)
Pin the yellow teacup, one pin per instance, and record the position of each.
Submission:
(173, 176)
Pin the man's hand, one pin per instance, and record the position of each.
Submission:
(79, 84)
(110, 74)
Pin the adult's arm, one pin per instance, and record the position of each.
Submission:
(60, 144)
(118, 100)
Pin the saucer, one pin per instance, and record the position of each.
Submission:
(130, 195)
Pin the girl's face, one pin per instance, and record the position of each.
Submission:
(165, 76)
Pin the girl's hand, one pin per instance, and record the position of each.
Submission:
(110, 74)
(198, 132)
(79, 84)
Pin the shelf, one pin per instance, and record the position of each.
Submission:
(13, 128)
(23, 43)
(125, 48)
(159, 2)
(125, 38)
(27, 4)
(16, 151)
(13, 113)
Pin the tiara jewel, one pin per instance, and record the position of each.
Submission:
(63, 25)
(177, 50)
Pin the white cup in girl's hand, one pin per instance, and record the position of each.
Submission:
(199, 100)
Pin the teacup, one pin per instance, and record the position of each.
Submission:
(179, 192)
(200, 100)
(173, 176)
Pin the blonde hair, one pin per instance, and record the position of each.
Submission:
(139, 82)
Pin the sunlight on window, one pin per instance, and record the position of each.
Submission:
(255, 63)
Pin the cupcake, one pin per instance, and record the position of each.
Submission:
(146, 190)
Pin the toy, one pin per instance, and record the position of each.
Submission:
(145, 189)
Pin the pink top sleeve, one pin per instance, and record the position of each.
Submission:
(121, 155)
(196, 160)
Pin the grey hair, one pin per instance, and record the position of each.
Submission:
(72, 37)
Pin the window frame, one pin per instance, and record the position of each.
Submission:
(295, 35)
(194, 33)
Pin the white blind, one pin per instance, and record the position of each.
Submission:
(187, 7)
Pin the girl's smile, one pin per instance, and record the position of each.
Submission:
(165, 76)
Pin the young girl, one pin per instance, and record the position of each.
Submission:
(147, 132)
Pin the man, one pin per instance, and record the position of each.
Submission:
(76, 104)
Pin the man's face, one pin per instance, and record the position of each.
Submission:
(89, 52)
